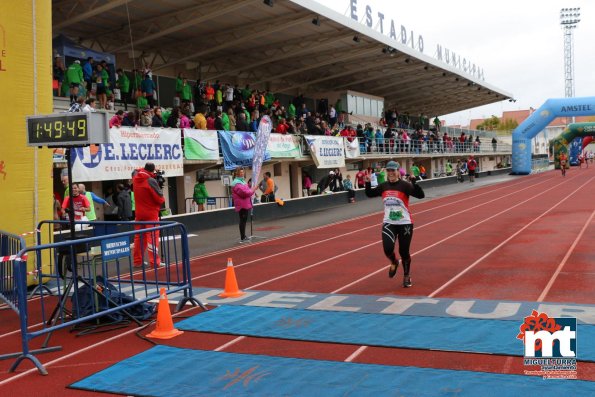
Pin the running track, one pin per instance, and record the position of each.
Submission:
(529, 239)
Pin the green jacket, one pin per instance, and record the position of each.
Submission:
(186, 93)
(123, 83)
(74, 73)
(225, 121)
(200, 193)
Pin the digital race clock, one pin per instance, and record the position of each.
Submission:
(68, 129)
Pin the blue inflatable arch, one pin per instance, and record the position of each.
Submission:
(552, 108)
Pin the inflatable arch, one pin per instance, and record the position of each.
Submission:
(577, 146)
(552, 108)
(562, 143)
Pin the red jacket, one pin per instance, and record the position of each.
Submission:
(148, 196)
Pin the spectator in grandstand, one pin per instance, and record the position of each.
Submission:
(303, 112)
(471, 167)
(184, 120)
(255, 121)
(116, 120)
(101, 78)
(494, 143)
(74, 73)
(123, 84)
(241, 124)
(179, 82)
(200, 193)
(89, 105)
(232, 119)
(225, 123)
(148, 198)
(336, 182)
(306, 184)
(173, 121)
(148, 90)
(146, 117)
(282, 127)
(88, 74)
(58, 73)
(348, 186)
(200, 121)
(185, 92)
(78, 105)
(332, 115)
(211, 121)
(291, 111)
(476, 144)
(131, 119)
(242, 200)
(157, 120)
(397, 223)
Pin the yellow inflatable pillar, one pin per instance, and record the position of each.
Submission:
(26, 195)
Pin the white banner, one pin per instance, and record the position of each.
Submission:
(284, 146)
(128, 150)
(327, 151)
(352, 148)
(201, 145)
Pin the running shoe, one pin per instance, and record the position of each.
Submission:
(392, 270)
(245, 240)
(407, 281)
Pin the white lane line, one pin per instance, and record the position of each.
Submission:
(86, 348)
(471, 266)
(446, 238)
(355, 354)
(231, 342)
(547, 288)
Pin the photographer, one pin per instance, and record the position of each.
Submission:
(148, 199)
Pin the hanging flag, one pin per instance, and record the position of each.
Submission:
(262, 140)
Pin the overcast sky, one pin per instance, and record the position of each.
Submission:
(518, 43)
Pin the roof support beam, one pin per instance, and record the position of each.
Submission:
(279, 25)
(91, 13)
(290, 53)
(229, 7)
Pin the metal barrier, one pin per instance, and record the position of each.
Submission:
(10, 246)
(101, 275)
(210, 204)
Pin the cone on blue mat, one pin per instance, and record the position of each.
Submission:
(231, 284)
(164, 328)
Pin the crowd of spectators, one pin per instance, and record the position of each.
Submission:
(224, 106)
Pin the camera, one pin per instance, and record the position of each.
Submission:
(159, 178)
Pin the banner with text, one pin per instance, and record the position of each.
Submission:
(327, 151)
(201, 145)
(284, 146)
(129, 149)
(352, 148)
(238, 149)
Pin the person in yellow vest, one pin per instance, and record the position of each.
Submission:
(93, 198)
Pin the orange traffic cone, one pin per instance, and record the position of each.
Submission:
(165, 325)
(231, 284)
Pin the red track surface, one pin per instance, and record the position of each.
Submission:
(530, 239)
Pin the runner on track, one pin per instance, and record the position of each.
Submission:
(397, 222)
(563, 158)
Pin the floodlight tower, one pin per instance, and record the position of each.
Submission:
(569, 19)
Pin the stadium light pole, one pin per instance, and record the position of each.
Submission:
(569, 19)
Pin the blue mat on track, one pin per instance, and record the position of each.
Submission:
(174, 372)
(431, 333)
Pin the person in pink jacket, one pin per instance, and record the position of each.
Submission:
(242, 200)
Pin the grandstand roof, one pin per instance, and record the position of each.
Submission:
(278, 48)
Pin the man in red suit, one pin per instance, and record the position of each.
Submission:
(149, 198)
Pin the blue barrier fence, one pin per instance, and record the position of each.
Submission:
(106, 275)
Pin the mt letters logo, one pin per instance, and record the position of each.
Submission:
(550, 344)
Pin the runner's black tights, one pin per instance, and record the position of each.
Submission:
(402, 233)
